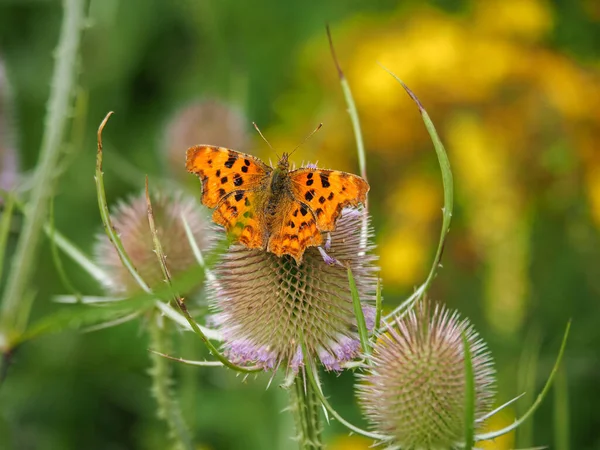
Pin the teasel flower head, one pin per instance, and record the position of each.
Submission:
(414, 388)
(207, 121)
(267, 306)
(9, 162)
(130, 220)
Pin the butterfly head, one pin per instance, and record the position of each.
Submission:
(284, 163)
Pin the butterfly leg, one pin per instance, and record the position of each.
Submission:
(328, 242)
(328, 259)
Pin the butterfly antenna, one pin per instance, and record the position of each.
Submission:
(264, 138)
(306, 138)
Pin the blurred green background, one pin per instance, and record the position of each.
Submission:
(514, 90)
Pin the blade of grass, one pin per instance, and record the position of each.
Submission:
(9, 202)
(561, 411)
(499, 408)
(538, 401)
(469, 394)
(70, 249)
(77, 255)
(56, 257)
(526, 382)
(360, 317)
(57, 116)
(448, 185)
(195, 249)
(182, 307)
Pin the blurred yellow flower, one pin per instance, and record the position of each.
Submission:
(350, 443)
(403, 256)
(496, 217)
(593, 183)
(500, 97)
(524, 19)
(498, 421)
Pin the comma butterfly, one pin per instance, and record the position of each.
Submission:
(274, 208)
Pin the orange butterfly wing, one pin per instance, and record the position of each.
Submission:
(327, 192)
(237, 212)
(223, 171)
(297, 232)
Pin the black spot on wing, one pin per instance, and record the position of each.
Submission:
(245, 169)
(303, 210)
(324, 180)
(238, 196)
(321, 200)
(223, 180)
(330, 196)
(232, 159)
(309, 195)
(238, 180)
(218, 172)
(222, 192)
(309, 182)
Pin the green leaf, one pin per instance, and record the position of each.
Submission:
(448, 185)
(358, 313)
(561, 411)
(56, 257)
(77, 317)
(526, 382)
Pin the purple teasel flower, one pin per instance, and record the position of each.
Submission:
(266, 305)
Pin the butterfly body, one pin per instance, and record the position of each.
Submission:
(272, 208)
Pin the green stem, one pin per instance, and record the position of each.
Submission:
(168, 407)
(56, 121)
(304, 404)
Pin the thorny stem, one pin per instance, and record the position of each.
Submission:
(55, 123)
(360, 146)
(168, 408)
(178, 299)
(304, 405)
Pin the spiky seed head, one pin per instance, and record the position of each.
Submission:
(268, 305)
(414, 390)
(130, 220)
(209, 121)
